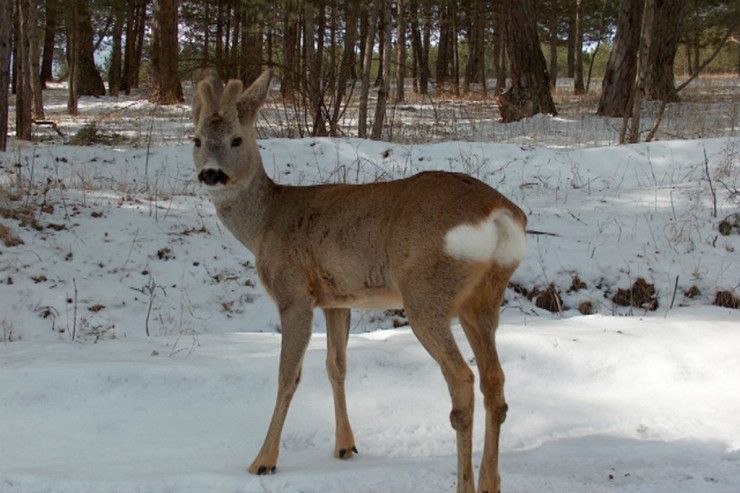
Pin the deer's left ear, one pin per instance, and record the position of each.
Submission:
(204, 100)
(254, 97)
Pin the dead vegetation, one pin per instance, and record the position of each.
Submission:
(727, 299)
(642, 294)
(549, 299)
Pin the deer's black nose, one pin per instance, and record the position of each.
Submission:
(212, 176)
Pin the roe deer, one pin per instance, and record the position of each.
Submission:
(437, 244)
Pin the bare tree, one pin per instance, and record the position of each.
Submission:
(165, 81)
(578, 87)
(51, 25)
(665, 31)
(529, 93)
(374, 6)
(33, 62)
(377, 131)
(6, 37)
(619, 78)
(23, 95)
(73, 40)
(401, 51)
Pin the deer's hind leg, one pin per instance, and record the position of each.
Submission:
(337, 334)
(479, 318)
(428, 309)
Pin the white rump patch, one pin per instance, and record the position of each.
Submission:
(498, 238)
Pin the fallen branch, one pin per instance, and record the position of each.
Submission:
(50, 124)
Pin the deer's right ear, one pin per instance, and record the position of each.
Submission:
(204, 100)
(254, 96)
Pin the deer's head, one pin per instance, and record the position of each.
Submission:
(225, 143)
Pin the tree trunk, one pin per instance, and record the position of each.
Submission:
(72, 21)
(529, 93)
(666, 29)
(348, 61)
(499, 46)
(578, 87)
(377, 131)
(6, 12)
(421, 82)
(474, 70)
(374, 6)
(89, 81)
(23, 97)
(401, 51)
(643, 66)
(165, 82)
(621, 68)
(553, 52)
(114, 72)
(289, 81)
(33, 42)
(572, 41)
(50, 29)
(140, 30)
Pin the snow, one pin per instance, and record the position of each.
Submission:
(651, 401)
(625, 399)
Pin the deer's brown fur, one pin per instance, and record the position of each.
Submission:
(379, 245)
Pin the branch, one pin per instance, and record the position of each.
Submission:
(711, 57)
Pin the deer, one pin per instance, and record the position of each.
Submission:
(438, 244)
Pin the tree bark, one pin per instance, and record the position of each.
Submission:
(401, 51)
(89, 80)
(72, 22)
(578, 87)
(529, 93)
(33, 50)
(114, 72)
(572, 40)
(499, 46)
(50, 29)
(621, 68)
(553, 52)
(165, 81)
(666, 29)
(348, 61)
(475, 68)
(374, 6)
(23, 97)
(6, 12)
(377, 131)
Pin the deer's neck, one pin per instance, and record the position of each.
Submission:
(244, 208)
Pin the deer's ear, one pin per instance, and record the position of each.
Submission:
(254, 97)
(204, 100)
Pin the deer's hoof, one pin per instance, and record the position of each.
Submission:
(262, 470)
(344, 453)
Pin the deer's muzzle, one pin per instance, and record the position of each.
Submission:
(213, 176)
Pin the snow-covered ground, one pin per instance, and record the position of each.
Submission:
(118, 241)
(598, 403)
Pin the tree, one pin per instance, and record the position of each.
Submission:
(665, 32)
(374, 6)
(51, 25)
(114, 71)
(6, 12)
(89, 81)
(621, 68)
(578, 87)
(529, 93)
(23, 97)
(401, 51)
(165, 81)
(385, 73)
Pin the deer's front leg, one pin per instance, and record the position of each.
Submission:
(295, 321)
(337, 334)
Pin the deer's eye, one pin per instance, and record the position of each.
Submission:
(196, 141)
(236, 142)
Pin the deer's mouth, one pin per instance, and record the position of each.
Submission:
(213, 177)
